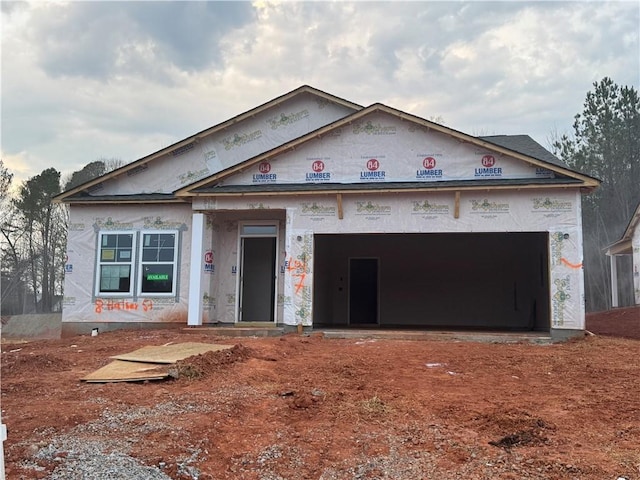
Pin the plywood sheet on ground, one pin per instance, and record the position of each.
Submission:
(170, 353)
(124, 371)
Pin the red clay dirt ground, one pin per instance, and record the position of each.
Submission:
(306, 407)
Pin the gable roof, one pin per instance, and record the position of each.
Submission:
(521, 147)
(527, 146)
(623, 246)
(79, 189)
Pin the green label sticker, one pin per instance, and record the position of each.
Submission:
(157, 276)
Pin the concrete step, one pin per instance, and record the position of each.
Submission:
(231, 331)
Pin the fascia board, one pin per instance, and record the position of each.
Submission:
(345, 189)
(633, 224)
(621, 247)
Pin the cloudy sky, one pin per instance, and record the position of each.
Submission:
(89, 80)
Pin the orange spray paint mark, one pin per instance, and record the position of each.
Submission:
(297, 266)
(569, 264)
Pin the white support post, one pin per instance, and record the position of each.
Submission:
(614, 280)
(195, 270)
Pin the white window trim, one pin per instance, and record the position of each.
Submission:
(100, 263)
(139, 264)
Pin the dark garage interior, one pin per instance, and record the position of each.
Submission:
(492, 281)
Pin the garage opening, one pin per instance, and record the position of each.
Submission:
(496, 281)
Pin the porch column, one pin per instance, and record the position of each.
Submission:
(614, 280)
(195, 270)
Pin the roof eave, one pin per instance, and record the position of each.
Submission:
(296, 189)
(123, 199)
(621, 247)
(633, 223)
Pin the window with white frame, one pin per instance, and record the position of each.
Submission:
(152, 269)
(158, 255)
(115, 263)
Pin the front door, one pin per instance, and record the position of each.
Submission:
(363, 291)
(257, 278)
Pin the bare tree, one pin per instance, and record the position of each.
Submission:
(14, 255)
(37, 217)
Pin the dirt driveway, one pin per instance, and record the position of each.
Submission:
(298, 407)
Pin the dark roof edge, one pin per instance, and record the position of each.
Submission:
(373, 186)
(133, 198)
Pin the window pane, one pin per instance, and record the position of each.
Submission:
(108, 240)
(108, 255)
(258, 229)
(159, 240)
(158, 247)
(125, 240)
(115, 278)
(150, 240)
(116, 247)
(149, 255)
(166, 240)
(157, 278)
(165, 255)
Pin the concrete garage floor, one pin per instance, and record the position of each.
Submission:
(378, 333)
(459, 336)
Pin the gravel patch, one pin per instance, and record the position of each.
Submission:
(83, 460)
(78, 457)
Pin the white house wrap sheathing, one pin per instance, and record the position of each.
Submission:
(82, 304)
(220, 150)
(556, 212)
(382, 148)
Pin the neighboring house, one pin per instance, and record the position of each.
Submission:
(311, 210)
(629, 244)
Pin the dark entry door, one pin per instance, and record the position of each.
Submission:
(363, 291)
(257, 281)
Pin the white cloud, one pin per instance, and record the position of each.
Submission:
(84, 80)
(19, 165)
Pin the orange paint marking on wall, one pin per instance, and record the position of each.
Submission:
(569, 264)
(102, 305)
(300, 284)
(297, 265)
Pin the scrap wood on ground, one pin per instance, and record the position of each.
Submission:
(150, 362)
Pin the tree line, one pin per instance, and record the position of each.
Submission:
(33, 237)
(605, 143)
